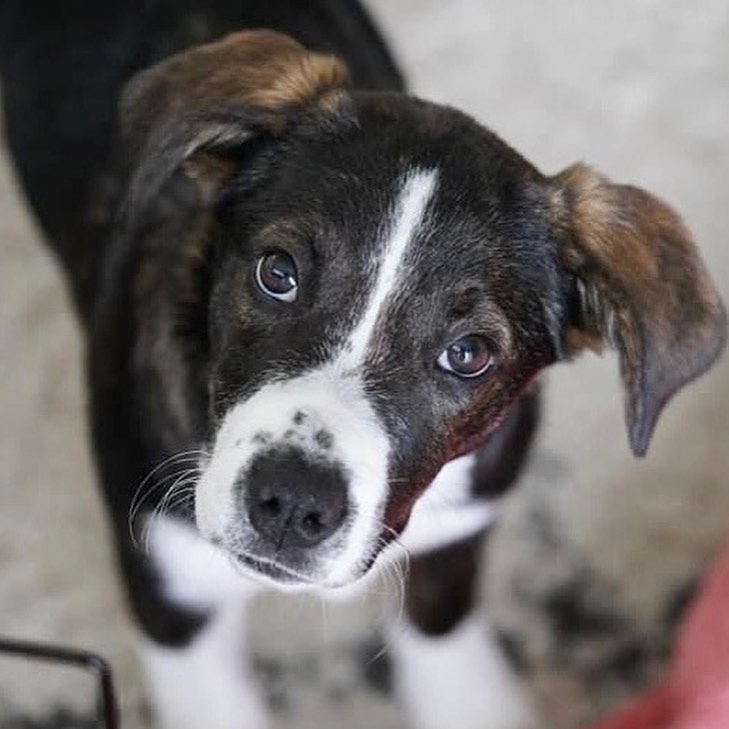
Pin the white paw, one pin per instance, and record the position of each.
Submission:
(457, 681)
(202, 686)
(241, 710)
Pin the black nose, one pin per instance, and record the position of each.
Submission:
(294, 502)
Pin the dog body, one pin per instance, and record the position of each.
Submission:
(316, 311)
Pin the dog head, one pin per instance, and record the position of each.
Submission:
(383, 279)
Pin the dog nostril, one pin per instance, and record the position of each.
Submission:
(292, 502)
(272, 506)
(312, 525)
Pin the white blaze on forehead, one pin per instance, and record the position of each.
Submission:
(334, 399)
(409, 210)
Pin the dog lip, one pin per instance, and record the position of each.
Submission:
(272, 570)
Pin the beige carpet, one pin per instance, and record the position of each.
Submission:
(641, 89)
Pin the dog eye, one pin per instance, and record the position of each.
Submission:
(276, 276)
(466, 357)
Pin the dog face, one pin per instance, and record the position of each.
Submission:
(385, 278)
(365, 326)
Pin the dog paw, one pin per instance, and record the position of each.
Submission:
(457, 681)
(196, 688)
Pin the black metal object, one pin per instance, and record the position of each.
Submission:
(107, 709)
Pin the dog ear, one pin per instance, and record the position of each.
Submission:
(641, 286)
(190, 108)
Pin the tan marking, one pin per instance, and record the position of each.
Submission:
(284, 231)
(210, 171)
(262, 69)
(643, 285)
(577, 340)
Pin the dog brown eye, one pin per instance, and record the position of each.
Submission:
(276, 276)
(466, 357)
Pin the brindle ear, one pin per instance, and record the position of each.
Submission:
(641, 286)
(215, 97)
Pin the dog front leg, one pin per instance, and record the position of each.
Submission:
(449, 671)
(205, 683)
(191, 606)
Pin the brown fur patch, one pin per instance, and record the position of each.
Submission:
(261, 69)
(577, 340)
(643, 287)
(283, 231)
(210, 171)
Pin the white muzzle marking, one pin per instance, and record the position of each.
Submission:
(333, 399)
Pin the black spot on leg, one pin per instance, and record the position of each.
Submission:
(289, 434)
(261, 438)
(300, 417)
(324, 439)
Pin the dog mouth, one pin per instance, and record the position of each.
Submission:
(272, 571)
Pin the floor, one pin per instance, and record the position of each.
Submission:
(640, 88)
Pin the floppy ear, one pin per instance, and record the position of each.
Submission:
(641, 286)
(189, 108)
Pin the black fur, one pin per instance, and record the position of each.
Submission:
(161, 259)
(64, 66)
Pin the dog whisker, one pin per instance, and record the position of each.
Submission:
(177, 459)
(156, 485)
(156, 478)
(189, 476)
(182, 481)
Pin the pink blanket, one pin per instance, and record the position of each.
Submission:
(695, 695)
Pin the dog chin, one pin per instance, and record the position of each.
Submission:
(275, 575)
(272, 573)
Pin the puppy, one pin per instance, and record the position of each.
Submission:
(316, 313)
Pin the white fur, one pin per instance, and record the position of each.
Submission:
(195, 573)
(413, 199)
(205, 684)
(360, 444)
(457, 681)
(447, 511)
(333, 398)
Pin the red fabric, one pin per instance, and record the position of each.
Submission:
(695, 694)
